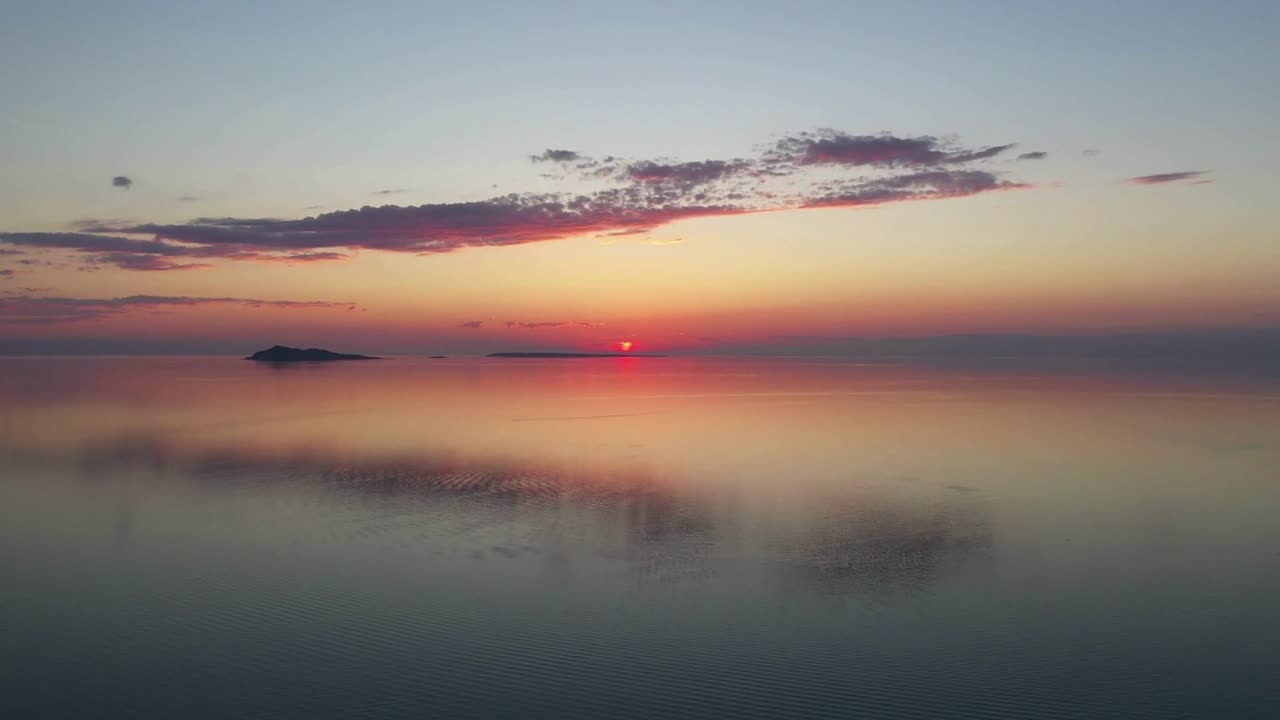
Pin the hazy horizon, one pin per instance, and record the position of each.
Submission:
(1227, 348)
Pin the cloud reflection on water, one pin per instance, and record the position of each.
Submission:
(654, 528)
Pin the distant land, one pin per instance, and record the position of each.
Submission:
(565, 355)
(280, 353)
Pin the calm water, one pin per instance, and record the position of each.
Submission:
(207, 537)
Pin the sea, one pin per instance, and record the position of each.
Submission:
(207, 537)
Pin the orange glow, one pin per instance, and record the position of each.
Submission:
(624, 345)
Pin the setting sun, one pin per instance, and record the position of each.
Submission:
(624, 345)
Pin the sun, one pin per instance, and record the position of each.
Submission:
(624, 345)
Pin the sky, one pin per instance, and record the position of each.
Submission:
(408, 177)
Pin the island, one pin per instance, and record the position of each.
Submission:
(280, 353)
(566, 355)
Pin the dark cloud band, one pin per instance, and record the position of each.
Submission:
(638, 196)
(41, 310)
(1161, 178)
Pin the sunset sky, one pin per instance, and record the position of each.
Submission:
(404, 177)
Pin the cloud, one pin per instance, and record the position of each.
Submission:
(556, 156)
(624, 233)
(1090, 152)
(30, 310)
(122, 182)
(6, 273)
(308, 257)
(969, 156)
(128, 253)
(929, 185)
(825, 168)
(687, 174)
(422, 229)
(671, 241)
(472, 324)
(85, 241)
(90, 223)
(832, 147)
(1161, 178)
(392, 191)
(1037, 155)
(541, 325)
(3, 251)
(128, 261)
(187, 198)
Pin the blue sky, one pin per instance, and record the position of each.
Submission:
(321, 102)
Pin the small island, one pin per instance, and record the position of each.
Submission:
(566, 355)
(280, 353)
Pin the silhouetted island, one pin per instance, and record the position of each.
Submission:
(280, 353)
(566, 355)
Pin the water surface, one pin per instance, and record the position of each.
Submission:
(664, 537)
